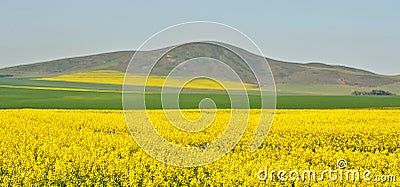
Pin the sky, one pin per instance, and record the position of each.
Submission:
(362, 34)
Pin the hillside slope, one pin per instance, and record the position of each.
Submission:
(284, 72)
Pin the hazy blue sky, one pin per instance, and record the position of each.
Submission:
(362, 34)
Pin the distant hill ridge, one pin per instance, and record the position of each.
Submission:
(284, 72)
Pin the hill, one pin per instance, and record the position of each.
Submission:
(297, 77)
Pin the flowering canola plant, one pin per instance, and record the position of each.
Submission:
(95, 147)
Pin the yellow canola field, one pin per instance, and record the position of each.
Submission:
(94, 147)
(116, 77)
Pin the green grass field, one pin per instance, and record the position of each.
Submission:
(52, 84)
(22, 93)
(31, 98)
